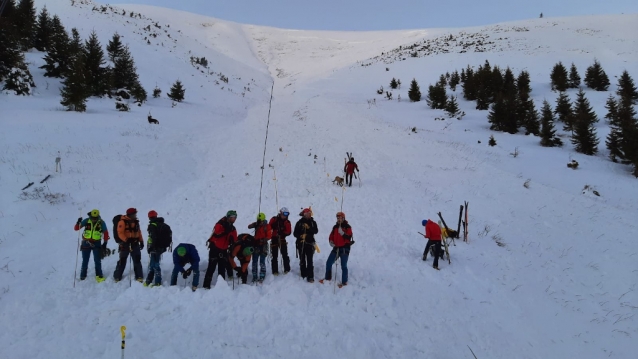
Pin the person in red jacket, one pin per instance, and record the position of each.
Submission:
(433, 234)
(341, 240)
(224, 235)
(349, 169)
(281, 228)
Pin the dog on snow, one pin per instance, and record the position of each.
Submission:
(152, 120)
(338, 180)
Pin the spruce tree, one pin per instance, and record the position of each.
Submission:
(509, 83)
(628, 124)
(394, 84)
(614, 137)
(492, 141)
(10, 54)
(455, 79)
(452, 107)
(25, 17)
(115, 47)
(414, 93)
(76, 47)
(548, 133)
(496, 116)
(43, 29)
(177, 91)
(57, 57)
(626, 88)
(442, 81)
(584, 139)
(511, 121)
(469, 87)
(574, 77)
(523, 87)
(596, 78)
(559, 77)
(96, 73)
(19, 80)
(529, 117)
(564, 111)
(437, 98)
(124, 74)
(612, 109)
(74, 90)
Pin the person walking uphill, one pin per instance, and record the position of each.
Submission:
(281, 228)
(433, 234)
(131, 242)
(305, 230)
(224, 235)
(340, 240)
(94, 228)
(263, 232)
(160, 239)
(349, 169)
(183, 254)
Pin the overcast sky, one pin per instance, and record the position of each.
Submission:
(388, 14)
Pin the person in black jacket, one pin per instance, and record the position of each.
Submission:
(305, 231)
(159, 241)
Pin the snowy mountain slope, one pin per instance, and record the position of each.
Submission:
(563, 284)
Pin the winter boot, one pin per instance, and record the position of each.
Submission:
(99, 279)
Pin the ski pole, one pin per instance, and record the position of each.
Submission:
(359, 180)
(123, 331)
(77, 253)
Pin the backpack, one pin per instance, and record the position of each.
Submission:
(164, 237)
(116, 220)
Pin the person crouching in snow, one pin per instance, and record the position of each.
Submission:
(263, 232)
(94, 228)
(433, 234)
(183, 254)
(340, 240)
(243, 250)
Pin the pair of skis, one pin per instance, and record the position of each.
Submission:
(455, 234)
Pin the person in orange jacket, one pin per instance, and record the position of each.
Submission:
(263, 232)
(340, 240)
(94, 229)
(433, 234)
(131, 242)
(243, 250)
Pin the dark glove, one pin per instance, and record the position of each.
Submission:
(104, 251)
(141, 245)
(79, 220)
(187, 273)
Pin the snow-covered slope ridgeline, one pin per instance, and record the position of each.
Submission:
(550, 270)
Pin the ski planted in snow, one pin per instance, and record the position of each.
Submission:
(465, 224)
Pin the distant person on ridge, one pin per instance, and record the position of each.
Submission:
(263, 232)
(340, 240)
(281, 228)
(183, 254)
(131, 242)
(305, 231)
(349, 169)
(224, 235)
(94, 228)
(433, 234)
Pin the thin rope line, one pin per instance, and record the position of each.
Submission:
(263, 161)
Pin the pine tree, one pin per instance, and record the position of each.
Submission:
(564, 111)
(452, 107)
(530, 118)
(509, 83)
(584, 139)
(548, 133)
(10, 54)
(437, 98)
(414, 93)
(469, 87)
(523, 87)
(115, 48)
(615, 135)
(455, 79)
(574, 77)
(124, 74)
(76, 47)
(177, 92)
(442, 81)
(42, 40)
(57, 57)
(394, 84)
(596, 78)
(628, 125)
(75, 91)
(492, 141)
(96, 73)
(157, 92)
(25, 18)
(496, 116)
(626, 88)
(559, 77)
(510, 120)
(612, 110)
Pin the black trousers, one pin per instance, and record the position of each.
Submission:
(217, 258)
(136, 255)
(306, 253)
(349, 178)
(274, 249)
(437, 251)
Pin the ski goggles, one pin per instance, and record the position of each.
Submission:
(285, 213)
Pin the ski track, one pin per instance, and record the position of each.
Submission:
(563, 285)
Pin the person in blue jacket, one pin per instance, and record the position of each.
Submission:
(185, 253)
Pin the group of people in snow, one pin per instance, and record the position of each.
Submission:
(225, 246)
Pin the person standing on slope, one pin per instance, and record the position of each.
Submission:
(183, 254)
(281, 228)
(263, 232)
(94, 228)
(305, 230)
(224, 235)
(160, 238)
(433, 234)
(349, 169)
(340, 240)
(132, 242)
(243, 250)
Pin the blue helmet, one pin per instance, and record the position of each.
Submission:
(424, 222)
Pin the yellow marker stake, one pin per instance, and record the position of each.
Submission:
(123, 330)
